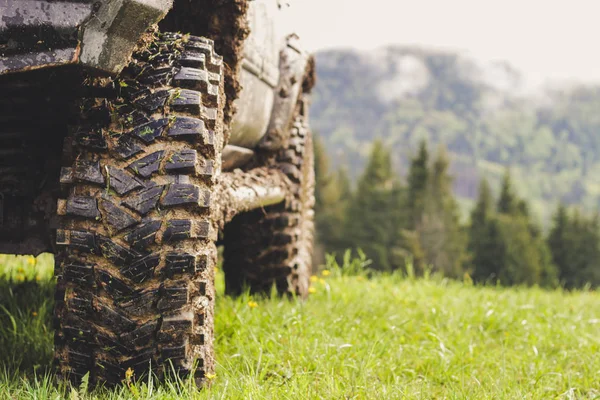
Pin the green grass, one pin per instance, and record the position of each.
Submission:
(381, 338)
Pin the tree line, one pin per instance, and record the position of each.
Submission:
(416, 221)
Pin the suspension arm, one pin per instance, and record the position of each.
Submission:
(240, 191)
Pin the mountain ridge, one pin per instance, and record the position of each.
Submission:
(484, 116)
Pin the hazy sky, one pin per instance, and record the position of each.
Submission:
(545, 39)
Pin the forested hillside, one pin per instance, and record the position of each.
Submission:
(550, 139)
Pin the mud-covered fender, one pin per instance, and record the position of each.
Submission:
(296, 68)
(98, 34)
(110, 36)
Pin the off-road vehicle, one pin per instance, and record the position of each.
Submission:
(136, 136)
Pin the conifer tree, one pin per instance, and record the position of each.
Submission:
(558, 240)
(369, 224)
(486, 245)
(418, 180)
(574, 243)
(508, 202)
(483, 207)
(441, 237)
(506, 246)
(322, 173)
(332, 195)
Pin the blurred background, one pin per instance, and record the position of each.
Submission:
(443, 103)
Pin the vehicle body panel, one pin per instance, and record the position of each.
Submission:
(101, 35)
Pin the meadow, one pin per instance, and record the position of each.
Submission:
(357, 337)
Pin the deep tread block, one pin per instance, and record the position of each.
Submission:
(66, 175)
(187, 127)
(84, 242)
(178, 194)
(192, 60)
(202, 229)
(291, 171)
(116, 218)
(131, 90)
(208, 169)
(179, 263)
(116, 253)
(142, 304)
(144, 235)
(115, 286)
(88, 171)
(122, 182)
(151, 130)
(109, 371)
(141, 362)
(173, 297)
(186, 100)
(153, 101)
(140, 336)
(177, 229)
(141, 269)
(175, 354)
(91, 140)
(76, 329)
(148, 165)
(156, 76)
(79, 304)
(82, 275)
(210, 118)
(172, 328)
(127, 147)
(136, 118)
(281, 239)
(205, 200)
(145, 200)
(182, 161)
(111, 345)
(161, 58)
(211, 97)
(191, 78)
(80, 359)
(199, 46)
(113, 319)
(83, 206)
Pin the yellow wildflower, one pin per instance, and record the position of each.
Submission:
(35, 314)
(211, 376)
(31, 260)
(312, 290)
(128, 374)
(467, 280)
(314, 278)
(322, 281)
(326, 272)
(252, 304)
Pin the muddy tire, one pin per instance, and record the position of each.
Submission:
(273, 246)
(136, 248)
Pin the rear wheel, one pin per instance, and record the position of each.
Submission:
(135, 277)
(273, 246)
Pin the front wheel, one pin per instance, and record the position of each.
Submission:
(273, 246)
(135, 277)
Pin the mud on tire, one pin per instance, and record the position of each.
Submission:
(273, 246)
(135, 284)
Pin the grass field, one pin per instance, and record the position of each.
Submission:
(383, 338)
